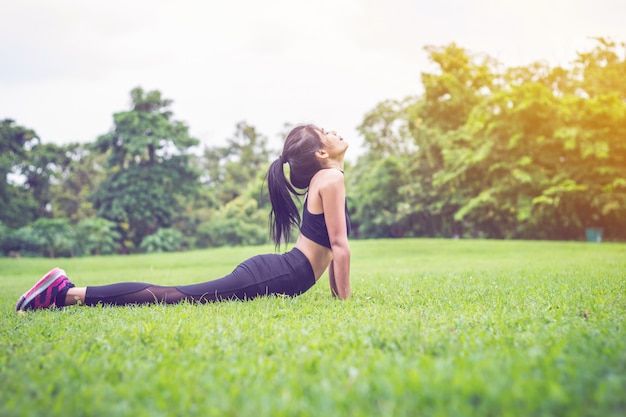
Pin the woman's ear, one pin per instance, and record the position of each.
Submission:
(321, 154)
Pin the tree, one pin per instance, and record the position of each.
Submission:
(460, 83)
(231, 168)
(17, 205)
(417, 131)
(42, 168)
(528, 152)
(497, 158)
(386, 129)
(378, 191)
(593, 138)
(544, 156)
(76, 182)
(148, 152)
(33, 167)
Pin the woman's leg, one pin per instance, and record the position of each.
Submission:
(75, 295)
(55, 290)
(124, 293)
(244, 283)
(289, 274)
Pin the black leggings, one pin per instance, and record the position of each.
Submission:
(288, 274)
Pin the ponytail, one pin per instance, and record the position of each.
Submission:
(299, 152)
(284, 213)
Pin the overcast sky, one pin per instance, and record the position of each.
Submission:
(68, 65)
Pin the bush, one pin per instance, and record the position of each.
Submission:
(163, 240)
(237, 223)
(22, 242)
(97, 236)
(56, 236)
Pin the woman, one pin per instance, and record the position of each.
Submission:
(315, 158)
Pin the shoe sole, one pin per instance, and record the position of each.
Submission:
(41, 286)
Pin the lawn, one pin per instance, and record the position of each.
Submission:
(434, 328)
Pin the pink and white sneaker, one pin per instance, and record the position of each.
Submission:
(43, 294)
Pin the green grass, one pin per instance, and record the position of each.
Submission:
(434, 328)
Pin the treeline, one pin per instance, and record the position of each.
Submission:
(528, 152)
(485, 151)
(145, 186)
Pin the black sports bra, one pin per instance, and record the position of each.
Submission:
(314, 225)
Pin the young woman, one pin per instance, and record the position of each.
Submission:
(315, 158)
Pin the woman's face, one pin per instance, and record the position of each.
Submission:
(334, 143)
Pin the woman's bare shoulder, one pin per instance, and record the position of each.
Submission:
(328, 176)
(325, 183)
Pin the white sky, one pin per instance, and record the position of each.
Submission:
(68, 65)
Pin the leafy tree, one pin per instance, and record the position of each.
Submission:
(386, 128)
(417, 131)
(149, 153)
(378, 187)
(544, 157)
(230, 169)
(460, 83)
(44, 165)
(494, 158)
(531, 152)
(79, 178)
(17, 205)
(594, 149)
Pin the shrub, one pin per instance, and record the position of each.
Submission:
(163, 240)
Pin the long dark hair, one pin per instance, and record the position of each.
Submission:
(299, 152)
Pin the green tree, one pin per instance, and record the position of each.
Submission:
(230, 169)
(377, 189)
(496, 159)
(532, 152)
(17, 205)
(460, 82)
(76, 182)
(417, 131)
(386, 129)
(543, 157)
(148, 152)
(42, 169)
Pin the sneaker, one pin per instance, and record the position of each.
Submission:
(44, 293)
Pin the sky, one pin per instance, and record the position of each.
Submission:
(68, 65)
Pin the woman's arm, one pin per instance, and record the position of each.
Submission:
(331, 279)
(339, 272)
(333, 196)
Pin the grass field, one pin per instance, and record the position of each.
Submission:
(434, 328)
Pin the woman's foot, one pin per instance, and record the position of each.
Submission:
(44, 293)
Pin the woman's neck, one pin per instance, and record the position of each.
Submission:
(334, 165)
